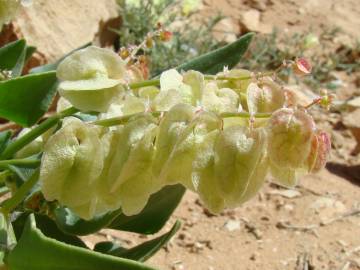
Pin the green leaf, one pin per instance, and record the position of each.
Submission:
(13, 56)
(48, 227)
(4, 139)
(155, 214)
(214, 62)
(70, 223)
(29, 52)
(35, 251)
(24, 100)
(141, 252)
(53, 66)
(7, 237)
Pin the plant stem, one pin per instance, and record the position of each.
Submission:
(136, 85)
(26, 162)
(245, 115)
(10, 204)
(18, 144)
(115, 121)
(156, 82)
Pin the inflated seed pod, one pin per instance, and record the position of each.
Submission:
(120, 145)
(320, 151)
(240, 166)
(91, 78)
(137, 181)
(179, 165)
(171, 127)
(285, 176)
(219, 100)
(290, 134)
(203, 174)
(196, 81)
(124, 105)
(71, 163)
(176, 88)
(265, 96)
(239, 84)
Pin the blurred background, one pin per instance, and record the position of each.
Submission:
(314, 226)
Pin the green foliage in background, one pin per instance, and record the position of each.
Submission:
(267, 52)
(191, 36)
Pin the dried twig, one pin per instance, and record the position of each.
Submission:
(312, 227)
(251, 228)
(303, 262)
(8, 126)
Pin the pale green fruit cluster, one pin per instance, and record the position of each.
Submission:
(91, 78)
(177, 133)
(8, 9)
(295, 146)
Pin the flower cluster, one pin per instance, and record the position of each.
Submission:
(219, 136)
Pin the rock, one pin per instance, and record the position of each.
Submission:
(260, 5)
(354, 103)
(57, 27)
(288, 193)
(232, 225)
(325, 202)
(328, 208)
(250, 20)
(351, 121)
(289, 207)
(227, 30)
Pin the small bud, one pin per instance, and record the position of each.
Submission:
(301, 67)
(149, 42)
(320, 151)
(124, 53)
(165, 36)
(290, 134)
(310, 41)
(266, 96)
(326, 99)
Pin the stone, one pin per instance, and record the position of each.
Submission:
(288, 193)
(232, 225)
(227, 30)
(250, 20)
(57, 27)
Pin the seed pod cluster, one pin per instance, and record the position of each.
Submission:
(190, 130)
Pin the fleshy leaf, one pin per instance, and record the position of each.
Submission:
(13, 55)
(72, 224)
(25, 99)
(141, 252)
(55, 255)
(155, 214)
(215, 61)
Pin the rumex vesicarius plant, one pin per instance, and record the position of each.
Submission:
(121, 149)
